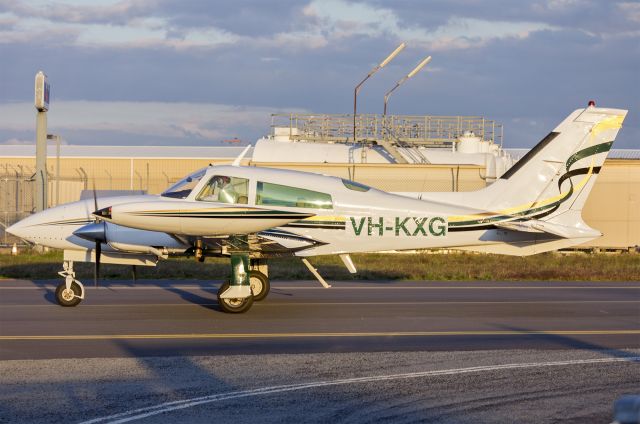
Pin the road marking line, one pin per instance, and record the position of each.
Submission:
(316, 335)
(294, 303)
(140, 413)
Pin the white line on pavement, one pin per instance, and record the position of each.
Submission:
(140, 413)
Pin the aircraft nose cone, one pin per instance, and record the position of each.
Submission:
(15, 229)
(92, 232)
(104, 213)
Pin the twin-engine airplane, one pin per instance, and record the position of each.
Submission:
(250, 214)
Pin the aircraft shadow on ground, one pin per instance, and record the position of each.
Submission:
(572, 343)
(196, 299)
(50, 296)
(285, 271)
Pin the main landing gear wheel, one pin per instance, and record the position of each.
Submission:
(68, 296)
(259, 285)
(234, 306)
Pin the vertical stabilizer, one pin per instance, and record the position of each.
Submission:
(552, 181)
(558, 173)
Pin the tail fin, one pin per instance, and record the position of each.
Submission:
(540, 199)
(556, 176)
(545, 191)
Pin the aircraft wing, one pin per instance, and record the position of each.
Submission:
(269, 243)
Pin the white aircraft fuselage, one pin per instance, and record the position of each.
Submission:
(256, 213)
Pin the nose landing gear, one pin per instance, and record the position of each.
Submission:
(71, 291)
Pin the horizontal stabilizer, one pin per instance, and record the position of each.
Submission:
(536, 226)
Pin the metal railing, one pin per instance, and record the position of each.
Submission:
(412, 130)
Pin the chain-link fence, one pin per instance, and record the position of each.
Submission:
(18, 187)
(17, 198)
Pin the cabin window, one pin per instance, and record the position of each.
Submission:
(352, 185)
(280, 195)
(225, 189)
(182, 188)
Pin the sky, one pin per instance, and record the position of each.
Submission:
(197, 72)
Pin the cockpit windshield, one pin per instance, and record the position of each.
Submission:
(182, 188)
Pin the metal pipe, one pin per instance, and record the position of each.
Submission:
(110, 179)
(57, 139)
(139, 179)
(84, 176)
(41, 160)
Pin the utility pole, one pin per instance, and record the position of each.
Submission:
(42, 106)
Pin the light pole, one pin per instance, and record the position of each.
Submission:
(406, 77)
(57, 139)
(373, 71)
(41, 101)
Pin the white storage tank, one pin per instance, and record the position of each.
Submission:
(468, 142)
(501, 166)
(490, 168)
(284, 133)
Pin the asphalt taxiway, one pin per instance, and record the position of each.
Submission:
(159, 351)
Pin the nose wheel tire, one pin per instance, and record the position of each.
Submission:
(68, 296)
(259, 285)
(234, 306)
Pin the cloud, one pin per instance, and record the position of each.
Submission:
(630, 10)
(187, 121)
(16, 141)
(497, 58)
(591, 16)
(340, 19)
(316, 25)
(101, 12)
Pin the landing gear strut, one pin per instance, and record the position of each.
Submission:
(71, 291)
(235, 296)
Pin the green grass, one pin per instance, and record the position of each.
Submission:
(451, 267)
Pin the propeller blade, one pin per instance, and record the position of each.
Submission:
(95, 199)
(96, 269)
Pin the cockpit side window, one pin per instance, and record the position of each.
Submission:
(281, 195)
(223, 189)
(182, 188)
